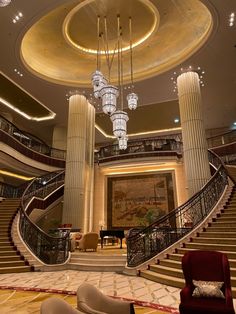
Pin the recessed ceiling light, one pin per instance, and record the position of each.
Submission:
(176, 120)
(234, 123)
(231, 19)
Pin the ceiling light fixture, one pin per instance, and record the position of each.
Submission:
(231, 19)
(103, 89)
(4, 3)
(188, 69)
(17, 17)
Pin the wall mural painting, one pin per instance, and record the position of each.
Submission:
(139, 200)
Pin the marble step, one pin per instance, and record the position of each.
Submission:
(211, 246)
(97, 267)
(11, 252)
(220, 229)
(5, 243)
(212, 234)
(178, 258)
(230, 255)
(12, 263)
(10, 258)
(226, 220)
(15, 269)
(223, 224)
(95, 261)
(221, 240)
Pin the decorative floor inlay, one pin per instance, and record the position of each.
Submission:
(28, 301)
(110, 283)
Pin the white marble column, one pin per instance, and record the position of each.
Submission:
(79, 163)
(59, 137)
(194, 139)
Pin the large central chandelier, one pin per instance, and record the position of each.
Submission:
(112, 97)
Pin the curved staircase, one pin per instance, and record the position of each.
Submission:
(10, 259)
(220, 235)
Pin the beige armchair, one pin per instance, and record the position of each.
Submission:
(57, 306)
(92, 301)
(89, 241)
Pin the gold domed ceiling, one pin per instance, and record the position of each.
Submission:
(61, 46)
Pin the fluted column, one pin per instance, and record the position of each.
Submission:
(194, 140)
(59, 137)
(79, 163)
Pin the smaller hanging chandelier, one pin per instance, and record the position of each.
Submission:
(109, 94)
(4, 3)
(123, 142)
(132, 99)
(98, 81)
(119, 119)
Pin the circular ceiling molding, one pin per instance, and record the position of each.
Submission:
(61, 46)
(80, 25)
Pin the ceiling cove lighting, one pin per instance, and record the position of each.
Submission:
(25, 115)
(15, 175)
(4, 3)
(112, 96)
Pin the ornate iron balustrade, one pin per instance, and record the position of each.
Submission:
(30, 140)
(49, 249)
(10, 191)
(222, 139)
(151, 145)
(145, 244)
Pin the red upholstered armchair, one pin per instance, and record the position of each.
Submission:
(206, 266)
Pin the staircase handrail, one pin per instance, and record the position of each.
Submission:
(144, 244)
(49, 249)
(30, 141)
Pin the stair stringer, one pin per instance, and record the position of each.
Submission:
(213, 213)
(28, 254)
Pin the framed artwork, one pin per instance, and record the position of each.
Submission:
(138, 200)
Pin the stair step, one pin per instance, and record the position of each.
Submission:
(171, 263)
(167, 271)
(211, 246)
(97, 262)
(207, 240)
(163, 279)
(208, 234)
(98, 267)
(230, 255)
(9, 258)
(16, 269)
(220, 229)
(7, 248)
(5, 243)
(226, 219)
(8, 253)
(223, 223)
(12, 263)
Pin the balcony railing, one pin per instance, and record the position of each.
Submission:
(144, 244)
(39, 194)
(30, 141)
(159, 146)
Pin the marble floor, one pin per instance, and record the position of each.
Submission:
(110, 283)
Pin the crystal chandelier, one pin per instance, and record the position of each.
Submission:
(4, 3)
(111, 96)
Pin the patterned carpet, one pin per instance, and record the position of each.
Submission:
(28, 302)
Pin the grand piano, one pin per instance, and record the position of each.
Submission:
(112, 233)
